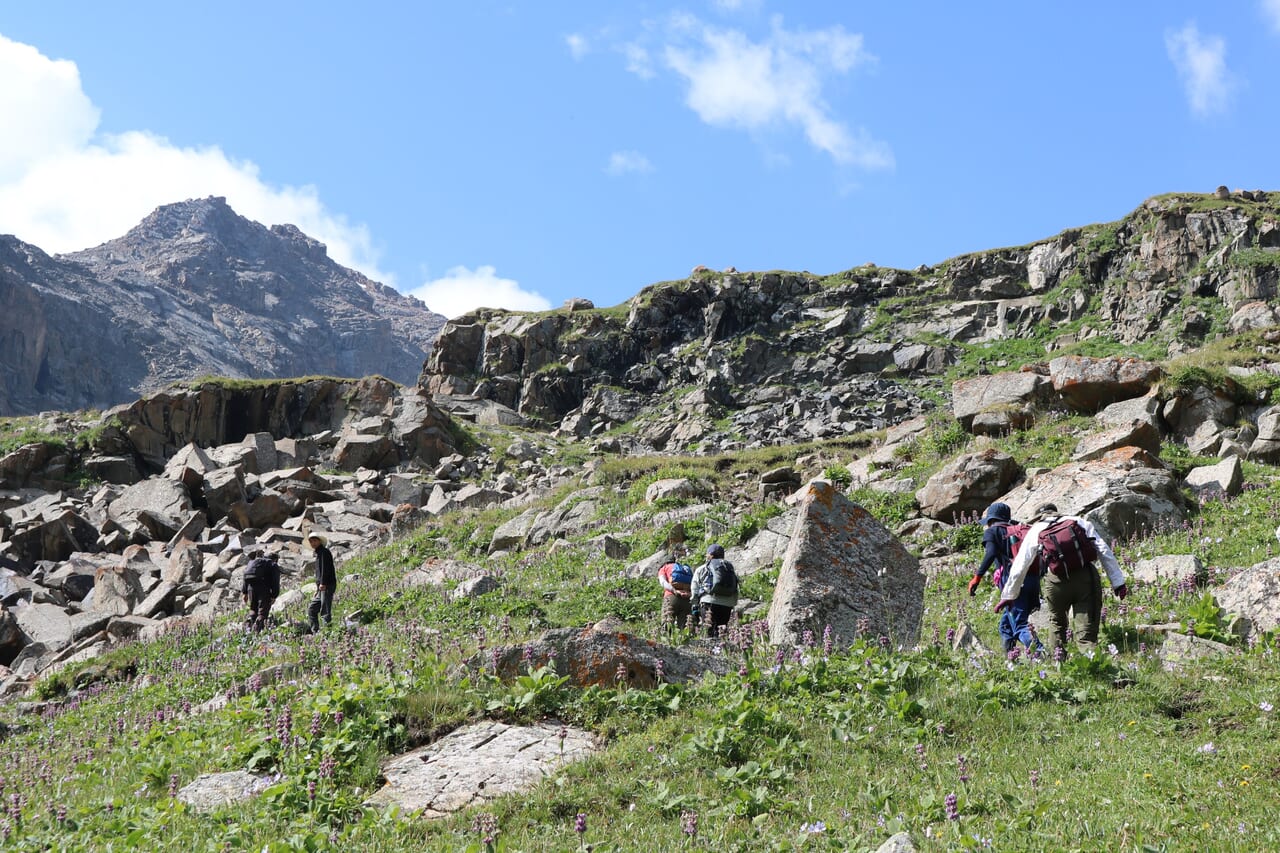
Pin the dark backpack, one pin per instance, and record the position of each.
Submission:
(1009, 538)
(1065, 548)
(258, 571)
(680, 573)
(724, 580)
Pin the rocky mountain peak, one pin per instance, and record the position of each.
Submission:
(208, 228)
(194, 289)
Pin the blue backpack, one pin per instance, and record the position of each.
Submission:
(680, 573)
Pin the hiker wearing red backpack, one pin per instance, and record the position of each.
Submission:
(998, 540)
(1066, 550)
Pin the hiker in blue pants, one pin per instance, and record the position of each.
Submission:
(998, 551)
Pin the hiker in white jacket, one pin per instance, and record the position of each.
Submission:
(1080, 591)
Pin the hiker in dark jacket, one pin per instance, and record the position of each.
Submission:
(719, 604)
(1015, 620)
(326, 583)
(261, 588)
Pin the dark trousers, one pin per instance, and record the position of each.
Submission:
(720, 614)
(321, 606)
(675, 610)
(259, 609)
(1081, 594)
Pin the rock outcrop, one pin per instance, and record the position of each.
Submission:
(843, 569)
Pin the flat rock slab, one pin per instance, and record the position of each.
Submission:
(212, 791)
(476, 764)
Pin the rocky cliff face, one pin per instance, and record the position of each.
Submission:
(723, 359)
(195, 289)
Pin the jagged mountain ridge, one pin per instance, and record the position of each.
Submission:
(722, 360)
(194, 289)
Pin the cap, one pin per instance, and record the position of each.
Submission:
(1045, 510)
(997, 512)
(716, 551)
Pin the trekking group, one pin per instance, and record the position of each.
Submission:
(691, 596)
(1055, 556)
(261, 585)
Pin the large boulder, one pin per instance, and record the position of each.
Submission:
(45, 623)
(595, 656)
(1088, 384)
(1226, 478)
(365, 451)
(967, 484)
(157, 505)
(116, 589)
(1136, 433)
(1254, 595)
(478, 763)
(55, 534)
(843, 569)
(1266, 447)
(223, 488)
(1126, 492)
(209, 792)
(1198, 415)
(11, 637)
(186, 564)
(1001, 398)
(511, 534)
(1125, 412)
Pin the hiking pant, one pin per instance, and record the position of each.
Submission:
(675, 610)
(1081, 593)
(321, 606)
(1014, 625)
(720, 614)
(260, 601)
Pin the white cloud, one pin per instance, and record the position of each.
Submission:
(754, 85)
(1271, 11)
(638, 61)
(578, 46)
(733, 6)
(64, 186)
(1201, 63)
(462, 289)
(626, 162)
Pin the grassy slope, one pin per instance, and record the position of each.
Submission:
(863, 742)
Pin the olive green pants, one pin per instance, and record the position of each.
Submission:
(1080, 593)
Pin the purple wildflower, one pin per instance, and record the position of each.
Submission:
(951, 804)
(689, 823)
(580, 823)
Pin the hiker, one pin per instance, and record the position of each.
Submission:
(1078, 590)
(998, 551)
(715, 590)
(676, 579)
(261, 588)
(326, 582)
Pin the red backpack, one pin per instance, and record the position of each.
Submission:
(1065, 548)
(1013, 536)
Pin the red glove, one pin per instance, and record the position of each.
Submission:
(1003, 603)
(1122, 591)
(973, 585)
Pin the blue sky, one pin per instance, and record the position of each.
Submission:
(518, 154)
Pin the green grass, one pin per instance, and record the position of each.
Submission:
(864, 741)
